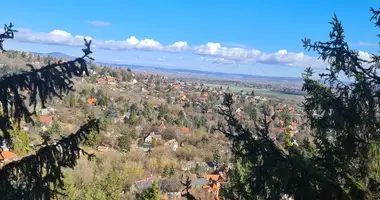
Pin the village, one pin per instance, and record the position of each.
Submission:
(148, 113)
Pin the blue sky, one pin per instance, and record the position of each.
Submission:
(252, 37)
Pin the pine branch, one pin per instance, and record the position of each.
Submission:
(44, 83)
(39, 176)
(8, 34)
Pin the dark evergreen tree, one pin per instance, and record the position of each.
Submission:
(187, 185)
(39, 176)
(342, 161)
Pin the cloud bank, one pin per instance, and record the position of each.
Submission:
(211, 52)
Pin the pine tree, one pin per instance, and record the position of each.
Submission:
(39, 176)
(171, 171)
(197, 169)
(216, 158)
(166, 171)
(187, 185)
(152, 192)
(343, 161)
(124, 143)
(56, 129)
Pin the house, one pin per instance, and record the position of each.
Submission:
(149, 138)
(91, 101)
(205, 93)
(182, 95)
(293, 126)
(213, 186)
(162, 126)
(176, 86)
(24, 126)
(100, 80)
(133, 81)
(175, 146)
(215, 181)
(281, 122)
(7, 156)
(102, 148)
(240, 109)
(152, 136)
(203, 99)
(110, 79)
(291, 108)
(156, 107)
(184, 129)
(46, 120)
(140, 186)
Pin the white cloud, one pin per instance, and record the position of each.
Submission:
(212, 51)
(177, 47)
(60, 33)
(82, 37)
(364, 55)
(100, 23)
(282, 57)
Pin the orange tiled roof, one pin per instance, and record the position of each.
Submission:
(99, 80)
(7, 155)
(162, 126)
(214, 177)
(110, 78)
(91, 101)
(184, 129)
(46, 119)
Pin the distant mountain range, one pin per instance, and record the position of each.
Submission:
(55, 54)
(186, 72)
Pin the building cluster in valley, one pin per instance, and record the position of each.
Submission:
(193, 106)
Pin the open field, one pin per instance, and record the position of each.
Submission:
(257, 91)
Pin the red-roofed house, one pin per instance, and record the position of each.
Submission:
(100, 80)
(162, 126)
(282, 123)
(176, 86)
(91, 101)
(110, 79)
(203, 99)
(46, 120)
(184, 129)
(7, 156)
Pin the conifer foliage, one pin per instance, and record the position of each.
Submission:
(341, 158)
(39, 176)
